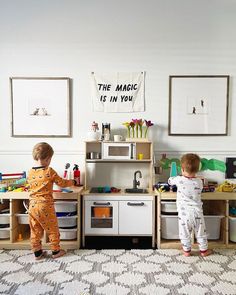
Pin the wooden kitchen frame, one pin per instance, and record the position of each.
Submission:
(137, 208)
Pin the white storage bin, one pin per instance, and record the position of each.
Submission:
(213, 223)
(232, 229)
(23, 218)
(4, 218)
(169, 227)
(68, 234)
(67, 221)
(168, 207)
(65, 206)
(4, 233)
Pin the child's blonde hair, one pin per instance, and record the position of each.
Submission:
(190, 163)
(42, 151)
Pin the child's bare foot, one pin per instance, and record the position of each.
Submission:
(206, 253)
(41, 256)
(187, 253)
(59, 254)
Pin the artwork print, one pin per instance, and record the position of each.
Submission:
(40, 107)
(198, 105)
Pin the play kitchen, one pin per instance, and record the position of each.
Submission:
(119, 201)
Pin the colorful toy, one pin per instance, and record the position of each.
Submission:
(226, 187)
(12, 181)
(173, 169)
(76, 174)
(20, 238)
(67, 166)
(212, 164)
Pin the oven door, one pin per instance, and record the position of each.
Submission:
(101, 217)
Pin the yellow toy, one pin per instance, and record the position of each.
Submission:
(226, 187)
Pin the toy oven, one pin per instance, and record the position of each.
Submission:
(101, 217)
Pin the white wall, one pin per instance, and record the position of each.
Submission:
(74, 37)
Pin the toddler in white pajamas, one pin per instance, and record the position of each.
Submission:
(189, 205)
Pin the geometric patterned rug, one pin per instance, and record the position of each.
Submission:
(118, 272)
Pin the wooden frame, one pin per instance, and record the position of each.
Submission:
(40, 107)
(198, 105)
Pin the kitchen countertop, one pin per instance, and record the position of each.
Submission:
(56, 195)
(205, 196)
(121, 193)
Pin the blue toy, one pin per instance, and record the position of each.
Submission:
(173, 169)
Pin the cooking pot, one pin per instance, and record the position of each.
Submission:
(93, 155)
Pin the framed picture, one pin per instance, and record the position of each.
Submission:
(40, 107)
(198, 105)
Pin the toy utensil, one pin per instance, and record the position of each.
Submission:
(67, 166)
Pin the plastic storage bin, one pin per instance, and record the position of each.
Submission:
(213, 223)
(65, 208)
(22, 218)
(67, 221)
(4, 218)
(169, 207)
(68, 234)
(4, 233)
(232, 229)
(170, 227)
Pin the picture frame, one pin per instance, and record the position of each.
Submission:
(40, 106)
(198, 105)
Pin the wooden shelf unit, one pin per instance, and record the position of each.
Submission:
(15, 200)
(145, 148)
(214, 203)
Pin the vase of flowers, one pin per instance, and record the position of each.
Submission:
(135, 129)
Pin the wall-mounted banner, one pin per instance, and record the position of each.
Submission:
(118, 92)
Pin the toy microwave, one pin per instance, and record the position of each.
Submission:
(118, 151)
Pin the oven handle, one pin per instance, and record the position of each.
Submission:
(135, 204)
(102, 204)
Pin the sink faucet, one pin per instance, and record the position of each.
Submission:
(135, 181)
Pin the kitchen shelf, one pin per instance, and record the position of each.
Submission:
(146, 164)
(117, 161)
(14, 201)
(214, 204)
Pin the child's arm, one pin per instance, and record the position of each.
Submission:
(61, 181)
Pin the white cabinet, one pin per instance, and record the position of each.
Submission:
(135, 217)
(119, 215)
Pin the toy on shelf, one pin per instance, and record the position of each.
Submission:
(173, 170)
(67, 166)
(20, 238)
(226, 187)
(76, 174)
(13, 182)
(205, 164)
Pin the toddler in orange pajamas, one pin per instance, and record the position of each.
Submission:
(42, 215)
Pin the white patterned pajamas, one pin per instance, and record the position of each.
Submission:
(192, 220)
(189, 206)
